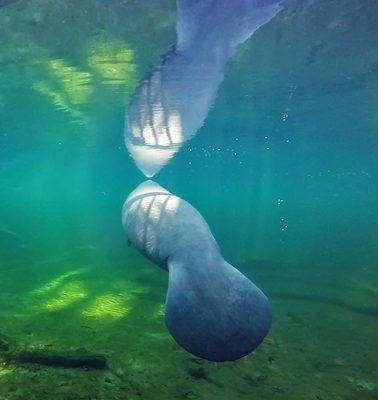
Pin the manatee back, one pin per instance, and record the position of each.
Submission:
(212, 309)
(221, 22)
(160, 224)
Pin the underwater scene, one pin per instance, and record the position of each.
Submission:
(189, 199)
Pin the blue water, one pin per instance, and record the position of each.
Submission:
(283, 168)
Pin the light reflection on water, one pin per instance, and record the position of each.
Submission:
(71, 88)
(171, 105)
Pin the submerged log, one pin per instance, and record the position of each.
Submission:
(21, 354)
(44, 357)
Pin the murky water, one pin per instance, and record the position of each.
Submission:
(274, 142)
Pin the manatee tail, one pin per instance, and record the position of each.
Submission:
(213, 311)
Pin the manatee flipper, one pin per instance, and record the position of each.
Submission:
(214, 311)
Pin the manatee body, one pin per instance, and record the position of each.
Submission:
(212, 310)
(171, 105)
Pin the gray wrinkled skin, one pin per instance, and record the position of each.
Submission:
(212, 310)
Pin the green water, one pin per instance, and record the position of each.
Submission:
(284, 170)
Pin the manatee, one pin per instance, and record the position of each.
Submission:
(212, 310)
(171, 104)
